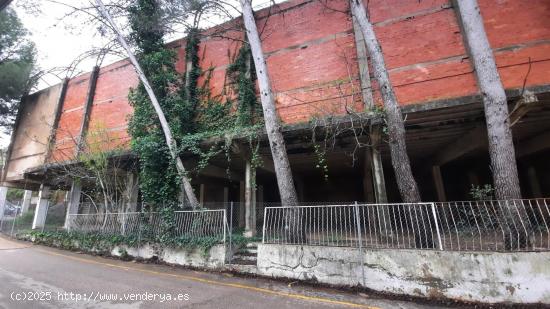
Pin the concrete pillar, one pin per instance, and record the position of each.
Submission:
(250, 200)
(534, 182)
(377, 167)
(242, 191)
(368, 185)
(300, 187)
(41, 207)
(26, 202)
(201, 194)
(439, 185)
(73, 201)
(132, 192)
(260, 201)
(3, 195)
(473, 178)
(225, 195)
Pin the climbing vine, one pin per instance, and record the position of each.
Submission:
(196, 117)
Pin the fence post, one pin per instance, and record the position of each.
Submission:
(13, 223)
(263, 228)
(224, 224)
(437, 226)
(124, 223)
(231, 229)
(359, 236)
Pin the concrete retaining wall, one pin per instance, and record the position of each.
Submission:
(489, 277)
(214, 258)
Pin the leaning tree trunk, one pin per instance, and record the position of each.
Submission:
(501, 146)
(170, 141)
(396, 127)
(272, 124)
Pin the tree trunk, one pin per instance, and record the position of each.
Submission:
(396, 133)
(272, 123)
(163, 122)
(396, 128)
(501, 146)
(287, 190)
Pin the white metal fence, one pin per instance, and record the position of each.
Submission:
(193, 223)
(515, 225)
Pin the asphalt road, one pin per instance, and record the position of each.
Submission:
(39, 277)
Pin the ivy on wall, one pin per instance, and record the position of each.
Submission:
(193, 113)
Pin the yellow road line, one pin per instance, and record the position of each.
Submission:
(214, 282)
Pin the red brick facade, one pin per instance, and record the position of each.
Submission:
(312, 60)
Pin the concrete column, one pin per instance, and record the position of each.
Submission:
(299, 182)
(368, 185)
(73, 201)
(534, 182)
(41, 207)
(225, 195)
(3, 195)
(26, 202)
(242, 191)
(473, 178)
(377, 167)
(439, 185)
(132, 192)
(201, 194)
(250, 200)
(260, 201)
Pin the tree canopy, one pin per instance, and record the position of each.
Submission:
(17, 61)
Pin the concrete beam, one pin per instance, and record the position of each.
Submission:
(473, 140)
(41, 207)
(533, 145)
(87, 110)
(526, 104)
(362, 62)
(245, 153)
(218, 172)
(55, 125)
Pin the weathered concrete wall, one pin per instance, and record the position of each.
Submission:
(30, 143)
(489, 277)
(212, 259)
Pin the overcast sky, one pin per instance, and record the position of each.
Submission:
(60, 39)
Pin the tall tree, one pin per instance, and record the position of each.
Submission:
(501, 146)
(272, 122)
(165, 126)
(17, 61)
(396, 127)
(396, 130)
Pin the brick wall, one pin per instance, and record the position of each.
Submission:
(312, 60)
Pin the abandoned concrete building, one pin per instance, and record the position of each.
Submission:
(320, 75)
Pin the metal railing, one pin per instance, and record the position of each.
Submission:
(193, 223)
(514, 225)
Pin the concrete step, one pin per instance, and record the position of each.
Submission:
(247, 252)
(241, 261)
(244, 257)
(252, 245)
(248, 269)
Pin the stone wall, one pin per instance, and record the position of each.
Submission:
(489, 277)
